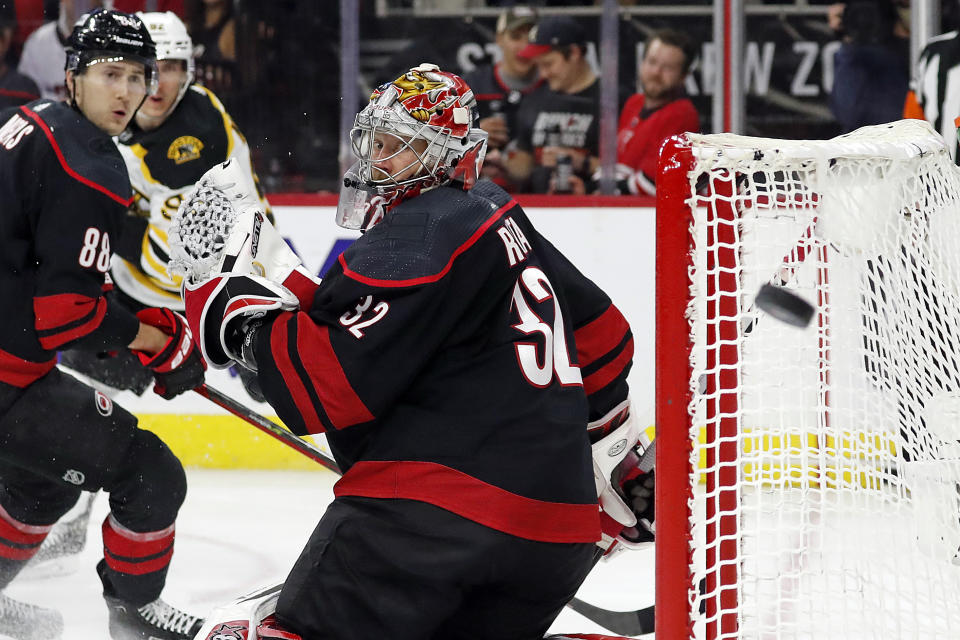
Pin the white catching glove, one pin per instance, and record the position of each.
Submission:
(220, 228)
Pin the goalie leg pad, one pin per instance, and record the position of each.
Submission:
(240, 617)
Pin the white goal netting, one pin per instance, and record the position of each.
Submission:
(825, 461)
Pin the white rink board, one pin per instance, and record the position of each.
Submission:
(613, 246)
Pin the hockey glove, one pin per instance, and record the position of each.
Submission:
(222, 310)
(613, 437)
(177, 367)
(220, 229)
(638, 490)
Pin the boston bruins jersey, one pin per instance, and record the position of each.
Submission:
(453, 356)
(164, 164)
(65, 193)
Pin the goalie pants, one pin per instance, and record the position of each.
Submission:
(405, 570)
(58, 437)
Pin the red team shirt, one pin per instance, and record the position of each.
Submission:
(640, 136)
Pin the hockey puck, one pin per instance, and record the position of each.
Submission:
(784, 305)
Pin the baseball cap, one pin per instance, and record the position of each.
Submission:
(553, 32)
(515, 17)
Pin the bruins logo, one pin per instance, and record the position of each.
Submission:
(184, 149)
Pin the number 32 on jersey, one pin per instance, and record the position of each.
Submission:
(539, 369)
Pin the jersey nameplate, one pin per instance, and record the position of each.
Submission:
(184, 149)
(514, 241)
(13, 131)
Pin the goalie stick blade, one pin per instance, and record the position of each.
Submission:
(627, 623)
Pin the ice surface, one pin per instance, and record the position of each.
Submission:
(242, 529)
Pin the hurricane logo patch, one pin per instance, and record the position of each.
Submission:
(104, 403)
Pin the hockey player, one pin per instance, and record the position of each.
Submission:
(454, 359)
(177, 135)
(65, 191)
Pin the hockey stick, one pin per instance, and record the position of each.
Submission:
(625, 623)
(622, 622)
(267, 426)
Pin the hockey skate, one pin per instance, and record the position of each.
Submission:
(60, 552)
(28, 622)
(156, 620)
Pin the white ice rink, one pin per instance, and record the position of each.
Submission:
(242, 529)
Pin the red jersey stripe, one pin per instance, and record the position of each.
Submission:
(26, 95)
(376, 282)
(599, 337)
(279, 342)
(607, 373)
(340, 402)
(54, 313)
(473, 499)
(130, 544)
(302, 287)
(126, 202)
(18, 372)
(17, 553)
(138, 568)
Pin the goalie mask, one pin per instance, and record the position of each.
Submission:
(418, 131)
(105, 35)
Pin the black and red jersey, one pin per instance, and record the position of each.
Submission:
(442, 357)
(494, 96)
(64, 190)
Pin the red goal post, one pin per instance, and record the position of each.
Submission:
(791, 462)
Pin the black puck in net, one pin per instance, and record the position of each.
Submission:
(784, 305)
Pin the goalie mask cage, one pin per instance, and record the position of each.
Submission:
(808, 480)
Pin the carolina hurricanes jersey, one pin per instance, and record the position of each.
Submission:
(441, 356)
(164, 164)
(641, 133)
(16, 89)
(64, 190)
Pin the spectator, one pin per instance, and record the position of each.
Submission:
(212, 27)
(15, 88)
(558, 123)
(44, 56)
(499, 87)
(662, 110)
(871, 67)
(934, 93)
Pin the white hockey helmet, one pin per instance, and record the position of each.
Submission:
(431, 113)
(173, 43)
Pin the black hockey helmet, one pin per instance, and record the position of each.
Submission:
(104, 33)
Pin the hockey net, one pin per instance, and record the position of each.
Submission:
(808, 479)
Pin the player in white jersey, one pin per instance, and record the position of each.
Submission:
(179, 133)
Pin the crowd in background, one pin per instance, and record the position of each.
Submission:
(535, 73)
